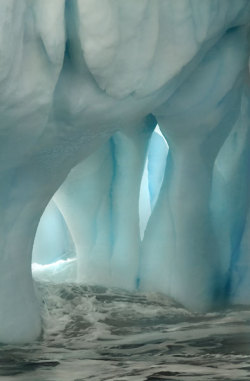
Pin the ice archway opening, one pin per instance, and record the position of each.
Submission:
(54, 255)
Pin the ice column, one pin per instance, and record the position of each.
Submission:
(181, 254)
(25, 184)
(100, 203)
(230, 205)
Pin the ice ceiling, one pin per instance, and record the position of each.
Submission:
(83, 84)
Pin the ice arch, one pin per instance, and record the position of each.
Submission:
(85, 201)
(53, 241)
(53, 254)
(75, 73)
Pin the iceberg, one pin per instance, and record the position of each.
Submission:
(83, 84)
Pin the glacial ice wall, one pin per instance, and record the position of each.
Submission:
(83, 84)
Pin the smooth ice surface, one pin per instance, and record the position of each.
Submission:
(152, 177)
(53, 240)
(83, 83)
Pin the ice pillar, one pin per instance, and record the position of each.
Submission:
(196, 122)
(100, 202)
(23, 196)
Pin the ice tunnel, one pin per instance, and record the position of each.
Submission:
(83, 85)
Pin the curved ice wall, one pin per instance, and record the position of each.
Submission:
(53, 241)
(89, 79)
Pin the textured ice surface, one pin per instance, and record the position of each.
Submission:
(61, 271)
(83, 84)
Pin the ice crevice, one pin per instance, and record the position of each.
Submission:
(83, 84)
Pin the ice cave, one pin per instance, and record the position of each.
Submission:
(124, 159)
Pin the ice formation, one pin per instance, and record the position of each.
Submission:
(53, 241)
(83, 84)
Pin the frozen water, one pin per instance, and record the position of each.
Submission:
(53, 241)
(58, 272)
(83, 83)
